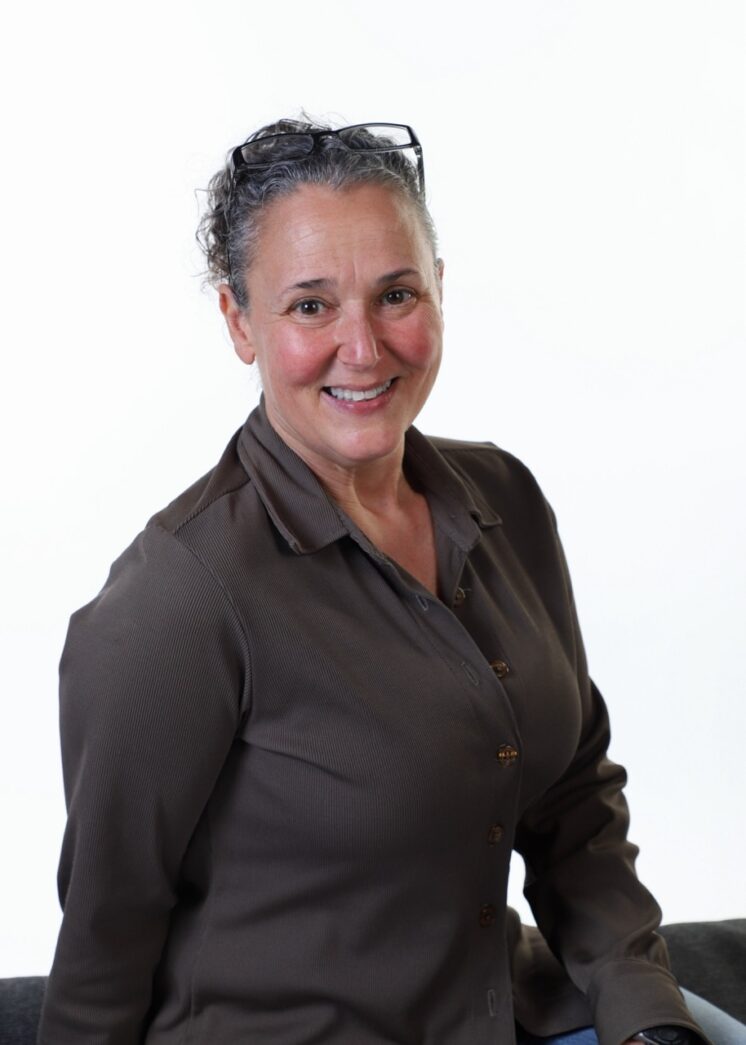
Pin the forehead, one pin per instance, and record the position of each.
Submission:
(319, 225)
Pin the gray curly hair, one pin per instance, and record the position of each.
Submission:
(229, 229)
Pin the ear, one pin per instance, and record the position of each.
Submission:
(439, 266)
(237, 321)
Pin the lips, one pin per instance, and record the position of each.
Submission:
(358, 395)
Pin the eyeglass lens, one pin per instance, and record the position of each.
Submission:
(277, 147)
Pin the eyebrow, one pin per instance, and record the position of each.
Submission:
(323, 283)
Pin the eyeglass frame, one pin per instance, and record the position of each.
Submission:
(238, 164)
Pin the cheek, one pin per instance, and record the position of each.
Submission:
(423, 340)
(297, 357)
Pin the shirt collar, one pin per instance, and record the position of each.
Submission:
(309, 519)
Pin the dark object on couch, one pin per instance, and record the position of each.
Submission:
(708, 958)
(20, 1003)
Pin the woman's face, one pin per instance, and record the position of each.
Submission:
(344, 321)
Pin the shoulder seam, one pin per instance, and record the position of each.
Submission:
(198, 511)
(218, 583)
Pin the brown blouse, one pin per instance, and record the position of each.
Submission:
(295, 778)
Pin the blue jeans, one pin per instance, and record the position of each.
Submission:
(719, 1027)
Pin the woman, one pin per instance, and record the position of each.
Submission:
(331, 686)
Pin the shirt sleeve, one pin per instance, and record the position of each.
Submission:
(589, 905)
(153, 680)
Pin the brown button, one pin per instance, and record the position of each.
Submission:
(487, 914)
(500, 668)
(459, 598)
(506, 754)
(495, 834)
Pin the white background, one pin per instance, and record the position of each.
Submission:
(585, 161)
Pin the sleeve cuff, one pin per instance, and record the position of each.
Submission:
(630, 995)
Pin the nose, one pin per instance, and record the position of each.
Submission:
(357, 344)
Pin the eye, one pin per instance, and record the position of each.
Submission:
(397, 296)
(308, 308)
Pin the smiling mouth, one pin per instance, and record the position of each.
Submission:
(351, 395)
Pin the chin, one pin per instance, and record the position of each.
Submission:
(366, 451)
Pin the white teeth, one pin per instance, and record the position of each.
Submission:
(355, 396)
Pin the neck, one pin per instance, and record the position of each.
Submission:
(376, 488)
(371, 488)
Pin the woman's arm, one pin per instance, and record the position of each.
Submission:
(581, 884)
(154, 676)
